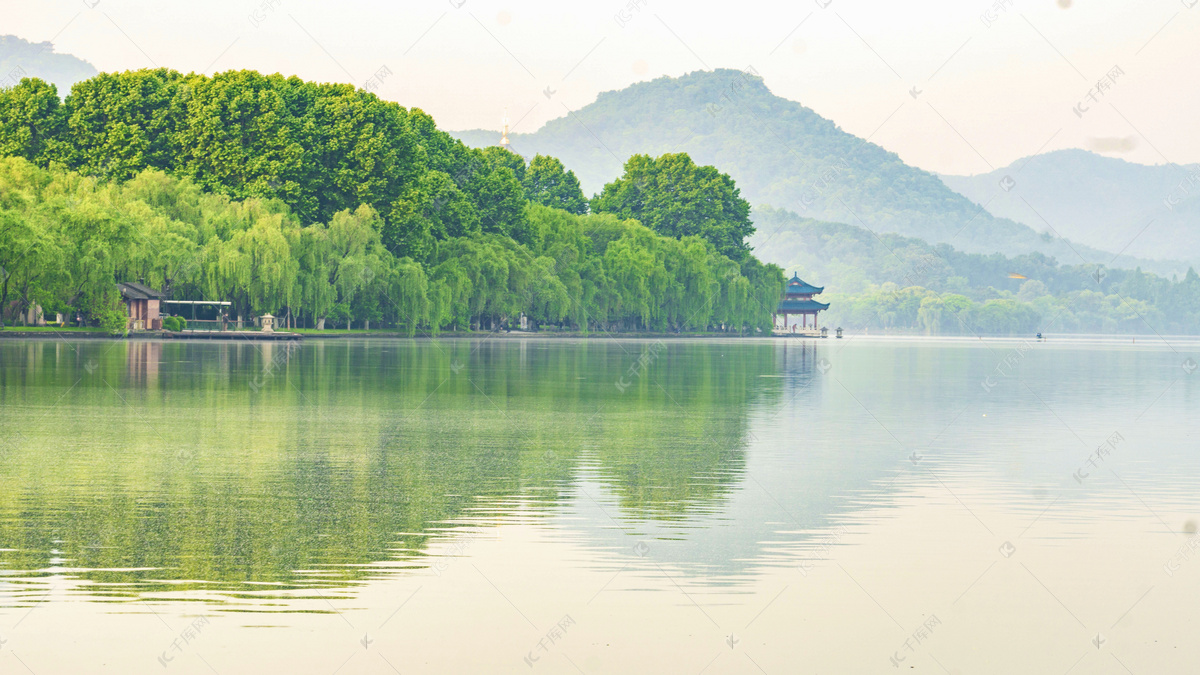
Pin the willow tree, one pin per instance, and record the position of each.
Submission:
(255, 267)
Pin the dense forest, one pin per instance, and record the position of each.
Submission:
(322, 203)
(891, 282)
(781, 153)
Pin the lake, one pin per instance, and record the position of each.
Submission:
(528, 505)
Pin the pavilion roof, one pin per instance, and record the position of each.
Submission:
(798, 286)
(801, 306)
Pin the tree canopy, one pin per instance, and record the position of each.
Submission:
(549, 183)
(66, 239)
(676, 198)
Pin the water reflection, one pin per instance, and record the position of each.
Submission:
(212, 466)
(229, 468)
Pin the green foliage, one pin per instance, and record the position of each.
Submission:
(66, 239)
(890, 282)
(676, 198)
(31, 121)
(784, 154)
(112, 317)
(319, 148)
(549, 183)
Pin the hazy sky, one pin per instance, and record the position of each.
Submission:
(992, 81)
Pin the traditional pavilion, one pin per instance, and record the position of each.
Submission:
(797, 306)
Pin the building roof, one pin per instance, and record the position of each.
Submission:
(797, 286)
(131, 290)
(801, 306)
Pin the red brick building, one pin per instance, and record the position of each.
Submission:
(141, 306)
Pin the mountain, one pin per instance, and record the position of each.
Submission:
(1108, 203)
(781, 154)
(20, 58)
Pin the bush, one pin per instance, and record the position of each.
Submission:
(170, 323)
(182, 322)
(113, 319)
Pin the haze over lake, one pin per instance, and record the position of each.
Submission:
(374, 506)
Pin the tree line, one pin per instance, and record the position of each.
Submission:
(324, 204)
(885, 281)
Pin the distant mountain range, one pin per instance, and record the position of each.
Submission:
(1106, 203)
(20, 58)
(784, 155)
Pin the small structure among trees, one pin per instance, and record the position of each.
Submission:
(797, 305)
(141, 306)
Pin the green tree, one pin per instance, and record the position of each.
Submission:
(549, 183)
(676, 198)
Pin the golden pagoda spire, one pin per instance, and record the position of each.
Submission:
(504, 134)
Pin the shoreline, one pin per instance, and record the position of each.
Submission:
(19, 333)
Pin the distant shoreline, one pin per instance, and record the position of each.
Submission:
(335, 334)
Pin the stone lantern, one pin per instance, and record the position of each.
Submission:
(268, 323)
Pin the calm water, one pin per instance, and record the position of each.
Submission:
(511, 505)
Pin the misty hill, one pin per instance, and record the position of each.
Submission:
(888, 281)
(780, 153)
(20, 58)
(1099, 201)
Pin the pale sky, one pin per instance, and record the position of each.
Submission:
(994, 81)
